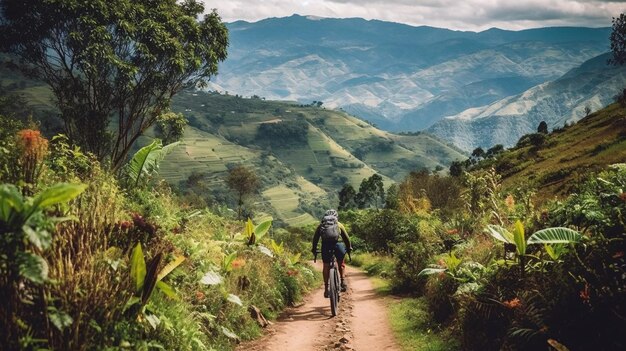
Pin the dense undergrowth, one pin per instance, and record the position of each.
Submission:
(477, 277)
(92, 261)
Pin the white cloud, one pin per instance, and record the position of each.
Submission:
(473, 15)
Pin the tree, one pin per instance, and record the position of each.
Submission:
(347, 197)
(244, 182)
(170, 127)
(113, 66)
(456, 168)
(618, 41)
(478, 153)
(391, 199)
(371, 192)
(587, 110)
(543, 127)
(495, 150)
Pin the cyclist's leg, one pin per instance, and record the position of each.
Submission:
(340, 254)
(327, 255)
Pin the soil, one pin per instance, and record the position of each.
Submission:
(361, 324)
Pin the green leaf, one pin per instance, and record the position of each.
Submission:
(234, 299)
(137, 163)
(137, 267)
(557, 235)
(430, 271)
(227, 263)
(211, 278)
(167, 290)
(147, 159)
(520, 238)
(59, 319)
(250, 232)
(41, 238)
(170, 267)
(262, 229)
(11, 202)
(500, 233)
(56, 194)
(33, 267)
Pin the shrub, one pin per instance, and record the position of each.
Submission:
(410, 259)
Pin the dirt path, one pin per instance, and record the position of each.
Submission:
(361, 325)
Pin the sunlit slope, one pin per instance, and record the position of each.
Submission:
(591, 144)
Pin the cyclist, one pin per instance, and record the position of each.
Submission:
(329, 230)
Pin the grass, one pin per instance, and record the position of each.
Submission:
(410, 322)
(591, 144)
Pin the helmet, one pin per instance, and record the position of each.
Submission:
(331, 212)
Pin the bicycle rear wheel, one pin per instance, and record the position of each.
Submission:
(333, 290)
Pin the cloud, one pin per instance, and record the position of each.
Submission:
(473, 15)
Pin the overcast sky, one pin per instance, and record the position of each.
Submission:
(474, 15)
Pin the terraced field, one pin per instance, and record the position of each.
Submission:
(223, 131)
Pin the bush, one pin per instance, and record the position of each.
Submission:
(410, 259)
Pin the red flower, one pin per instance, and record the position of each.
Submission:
(200, 295)
(618, 254)
(584, 294)
(292, 272)
(452, 231)
(513, 303)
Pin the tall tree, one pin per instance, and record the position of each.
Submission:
(542, 128)
(244, 182)
(347, 197)
(371, 192)
(618, 40)
(113, 65)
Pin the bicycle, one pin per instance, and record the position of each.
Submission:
(334, 287)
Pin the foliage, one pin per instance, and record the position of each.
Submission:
(283, 132)
(618, 40)
(371, 192)
(121, 60)
(145, 163)
(243, 181)
(347, 197)
(170, 127)
(25, 233)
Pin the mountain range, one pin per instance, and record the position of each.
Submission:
(400, 77)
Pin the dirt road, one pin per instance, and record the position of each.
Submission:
(361, 324)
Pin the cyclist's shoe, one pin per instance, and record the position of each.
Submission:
(326, 294)
(344, 287)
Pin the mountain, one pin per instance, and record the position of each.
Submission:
(397, 76)
(567, 155)
(593, 84)
(303, 154)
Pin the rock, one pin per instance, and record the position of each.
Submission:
(256, 314)
(345, 339)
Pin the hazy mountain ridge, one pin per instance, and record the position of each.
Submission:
(594, 84)
(398, 76)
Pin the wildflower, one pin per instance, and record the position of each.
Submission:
(510, 202)
(584, 294)
(200, 295)
(442, 262)
(33, 149)
(452, 231)
(292, 272)
(513, 303)
(618, 254)
(238, 263)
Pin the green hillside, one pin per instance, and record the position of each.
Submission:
(299, 177)
(300, 173)
(567, 155)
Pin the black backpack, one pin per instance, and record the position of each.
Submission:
(329, 229)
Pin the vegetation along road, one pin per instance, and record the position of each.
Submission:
(361, 324)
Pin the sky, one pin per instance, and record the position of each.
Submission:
(472, 15)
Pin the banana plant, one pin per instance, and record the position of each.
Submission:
(555, 235)
(254, 233)
(145, 278)
(146, 161)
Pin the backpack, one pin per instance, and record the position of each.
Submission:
(329, 229)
